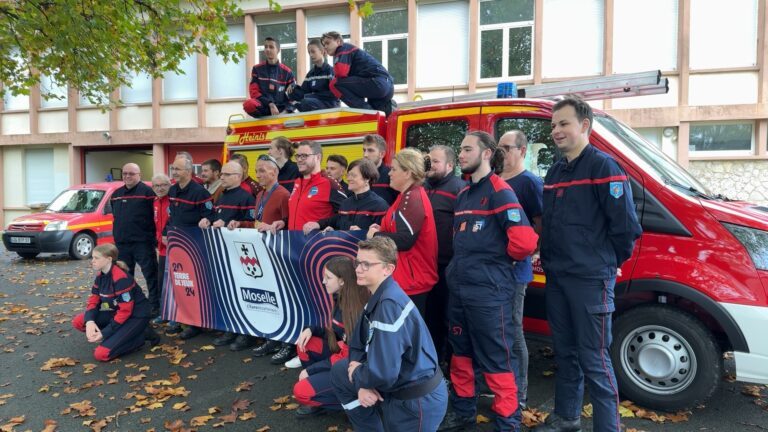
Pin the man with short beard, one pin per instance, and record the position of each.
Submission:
(210, 173)
(374, 149)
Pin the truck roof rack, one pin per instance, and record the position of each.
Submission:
(609, 87)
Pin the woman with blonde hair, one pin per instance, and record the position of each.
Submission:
(117, 312)
(411, 224)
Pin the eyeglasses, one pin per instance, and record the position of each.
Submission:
(365, 264)
(301, 156)
(129, 174)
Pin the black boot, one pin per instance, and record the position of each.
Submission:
(267, 347)
(454, 422)
(190, 332)
(226, 338)
(287, 351)
(555, 423)
(151, 336)
(242, 342)
(306, 411)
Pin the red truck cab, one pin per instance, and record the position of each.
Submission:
(77, 220)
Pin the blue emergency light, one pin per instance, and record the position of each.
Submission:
(506, 90)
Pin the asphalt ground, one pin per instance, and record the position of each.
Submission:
(180, 382)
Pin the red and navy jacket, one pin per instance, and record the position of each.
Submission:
(316, 84)
(318, 197)
(269, 82)
(528, 188)
(235, 204)
(589, 220)
(362, 210)
(337, 325)
(349, 60)
(188, 205)
(381, 187)
(288, 174)
(491, 233)
(162, 211)
(133, 213)
(392, 343)
(116, 293)
(411, 224)
(442, 195)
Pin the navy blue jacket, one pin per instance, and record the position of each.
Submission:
(381, 187)
(269, 82)
(442, 194)
(363, 210)
(491, 233)
(392, 342)
(187, 206)
(529, 189)
(349, 60)
(234, 204)
(589, 221)
(134, 214)
(288, 174)
(316, 84)
(117, 293)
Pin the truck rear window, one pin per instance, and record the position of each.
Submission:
(542, 152)
(76, 201)
(447, 132)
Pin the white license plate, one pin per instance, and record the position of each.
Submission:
(27, 240)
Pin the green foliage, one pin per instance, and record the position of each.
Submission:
(95, 45)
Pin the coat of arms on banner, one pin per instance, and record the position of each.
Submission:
(249, 260)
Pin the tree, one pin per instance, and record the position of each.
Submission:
(96, 45)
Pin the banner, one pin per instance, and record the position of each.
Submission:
(253, 283)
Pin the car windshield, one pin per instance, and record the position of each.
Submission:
(651, 159)
(76, 201)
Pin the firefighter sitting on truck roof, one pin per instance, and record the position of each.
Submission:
(314, 93)
(359, 80)
(269, 81)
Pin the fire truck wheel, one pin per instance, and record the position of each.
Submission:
(82, 246)
(665, 358)
(27, 255)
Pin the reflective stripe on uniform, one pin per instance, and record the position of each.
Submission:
(352, 405)
(397, 324)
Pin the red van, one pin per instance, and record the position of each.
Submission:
(696, 285)
(74, 222)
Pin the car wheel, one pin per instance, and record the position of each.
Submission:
(665, 358)
(28, 255)
(82, 246)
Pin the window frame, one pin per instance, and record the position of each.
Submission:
(259, 42)
(384, 39)
(723, 153)
(504, 27)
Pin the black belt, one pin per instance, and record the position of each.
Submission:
(421, 389)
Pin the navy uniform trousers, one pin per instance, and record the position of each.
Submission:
(127, 338)
(355, 90)
(423, 414)
(143, 254)
(579, 313)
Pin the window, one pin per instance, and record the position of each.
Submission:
(443, 45)
(560, 31)
(723, 35)
(49, 87)
(10, 101)
(285, 33)
(182, 86)
(724, 137)
(506, 38)
(140, 90)
(656, 49)
(542, 152)
(227, 79)
(324, 21)
(385, 37)
(77, 201)
(103, 99)
(447, 132)
(39, 183)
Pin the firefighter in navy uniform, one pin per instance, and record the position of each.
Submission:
(374, 149)
(269, 82)
(491, 233)
(117, 313)
(236, 206)
(315, 93)
(589, 230)
(134, 227)
(392, 361)
(188, 203)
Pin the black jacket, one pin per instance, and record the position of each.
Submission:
(187, 206)
(234, 204)
(316, 84)
(442, 194)
(287, 174)
(362, 210)
(134, 214)
(381, 187)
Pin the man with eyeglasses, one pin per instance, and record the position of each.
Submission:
(189, 202)
(134, 229)
(392, 361)
(529, 189)
(248, 184)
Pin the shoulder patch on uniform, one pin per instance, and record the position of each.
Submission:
(126, 297)
(514, 215)
(312, 192)
(616, 189)
(208, 205)
(252, 213)
(478, 225)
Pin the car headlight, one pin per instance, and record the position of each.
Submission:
(754, 240)
(55, 226)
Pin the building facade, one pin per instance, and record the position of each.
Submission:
(714, 120)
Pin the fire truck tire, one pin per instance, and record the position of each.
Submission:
(665, 358)
(28, 255)
(81, 247)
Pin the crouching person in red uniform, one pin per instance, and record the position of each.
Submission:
(319, 348)
(392, 360)
(118, 313)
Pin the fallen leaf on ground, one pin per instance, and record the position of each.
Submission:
(482, 419)
(247, 415)
(200, 420)
(58, 362)
(244, 386)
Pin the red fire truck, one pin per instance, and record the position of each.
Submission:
(696, 285)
